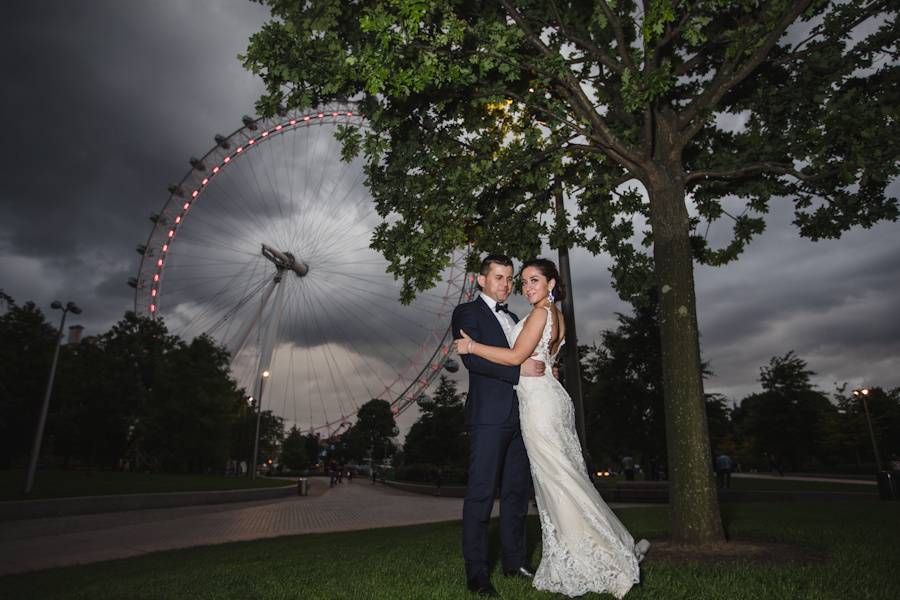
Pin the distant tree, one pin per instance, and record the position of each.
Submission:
(26, 348)
(438, 437)
(271, 434)
(293, 450)
(850, 432)
(718, 418)
(789, 419)
(373, 431)
(188, 422)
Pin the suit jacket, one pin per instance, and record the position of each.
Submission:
(491, 395)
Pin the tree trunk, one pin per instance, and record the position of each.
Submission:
(693, 499)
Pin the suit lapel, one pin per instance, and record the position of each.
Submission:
(495, 327)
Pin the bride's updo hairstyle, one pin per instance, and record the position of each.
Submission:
(548, 270)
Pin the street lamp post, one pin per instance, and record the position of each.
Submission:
(863, 393)
(42, 421)
(259, 396)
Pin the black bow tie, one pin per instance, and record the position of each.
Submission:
(501, 307)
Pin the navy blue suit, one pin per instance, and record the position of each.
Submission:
(496, 450)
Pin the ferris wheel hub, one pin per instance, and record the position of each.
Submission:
(285, 261)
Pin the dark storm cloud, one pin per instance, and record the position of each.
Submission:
(105, 102)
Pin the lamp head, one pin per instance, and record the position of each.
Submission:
(56, 304)
(73, 308)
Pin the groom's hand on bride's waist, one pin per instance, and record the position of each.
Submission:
(533, 368)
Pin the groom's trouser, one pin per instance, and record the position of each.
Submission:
(496, 457)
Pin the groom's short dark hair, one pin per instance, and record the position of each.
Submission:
(494, 259)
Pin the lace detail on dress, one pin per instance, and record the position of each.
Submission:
(585, 546)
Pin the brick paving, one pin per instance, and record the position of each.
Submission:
(59, 541)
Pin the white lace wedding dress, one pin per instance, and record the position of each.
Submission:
(585, 546)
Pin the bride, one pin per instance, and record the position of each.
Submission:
(585, 546)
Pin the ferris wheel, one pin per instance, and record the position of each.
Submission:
(264, 246)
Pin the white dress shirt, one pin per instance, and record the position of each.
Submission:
(506, 322)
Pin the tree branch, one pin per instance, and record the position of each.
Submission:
(586, 44)
(749, 170)
(570, 88)
(730, 75)
(616, 24)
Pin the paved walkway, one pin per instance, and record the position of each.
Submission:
(59, 541)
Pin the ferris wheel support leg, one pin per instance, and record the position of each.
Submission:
(241, 338)
(267, 347)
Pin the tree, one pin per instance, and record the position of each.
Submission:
(439, 436)
(188, 421)
(850, 433)
(623, 386)
(477, 111)
(271, 433)
(623, 390)
(372, 432)
(25, 353)
(789, 419)
(293, 450)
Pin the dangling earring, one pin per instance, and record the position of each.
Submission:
(550, 297)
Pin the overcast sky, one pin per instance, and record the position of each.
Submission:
(104, 102)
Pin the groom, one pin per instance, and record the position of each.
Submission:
(496, 450)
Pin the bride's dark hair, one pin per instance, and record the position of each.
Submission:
(548, 270)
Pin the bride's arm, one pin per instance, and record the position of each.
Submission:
(520, 352)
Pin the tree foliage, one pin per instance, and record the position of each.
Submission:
(133, 395)
(438, 437)
(475, 107)
(789, 419)
(25, 354)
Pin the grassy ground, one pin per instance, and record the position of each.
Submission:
(59, 484)
(739, 483)
(858, 539)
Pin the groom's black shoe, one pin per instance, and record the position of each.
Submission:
(481, 585)
(520, 572)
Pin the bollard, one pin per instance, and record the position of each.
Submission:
(302, 486)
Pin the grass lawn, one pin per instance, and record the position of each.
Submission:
(739, 483)
(59, 484)
(859, 541)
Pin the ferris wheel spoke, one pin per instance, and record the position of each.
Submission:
(329, 309)
(209, 319)
(421, 298)
(360, 311)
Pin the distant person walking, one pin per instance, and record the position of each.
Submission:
(628, 468)
(724, 467)
(774, 463)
